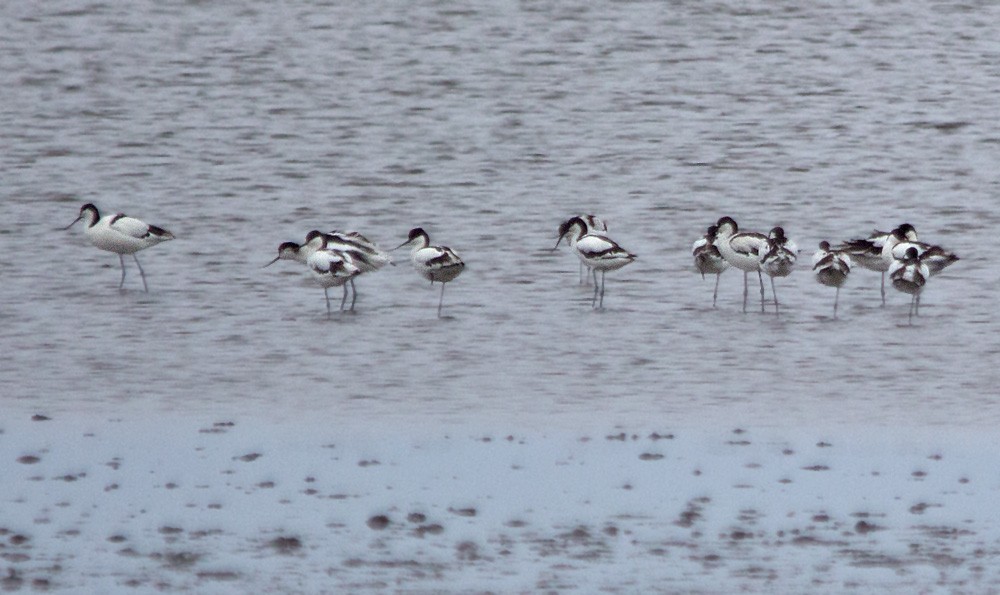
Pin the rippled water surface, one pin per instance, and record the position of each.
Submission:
(239, 125)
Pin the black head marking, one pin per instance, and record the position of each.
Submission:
(312, 235)
(416, 232)
(728, 221)
(824, 245)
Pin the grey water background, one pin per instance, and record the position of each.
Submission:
(239, 125)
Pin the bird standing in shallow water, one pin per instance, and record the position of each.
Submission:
(743, 251)
(332, 268)
(831, 268)
(121, 235)
(352, 247)
(592, 225)
(435, 263)
(777, 258)
(708, 260)
(909, 275)
(868, 253)
(597, 252)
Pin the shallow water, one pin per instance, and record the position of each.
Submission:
(239, 125)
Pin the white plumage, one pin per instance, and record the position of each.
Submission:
(778, 257)
(831, 268)
(596, 251)
(909, 275)
(591, 224)
(742, 250)
(120, 234)
(434, 263)
(707, 258)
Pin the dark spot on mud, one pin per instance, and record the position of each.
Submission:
(919, 474)
(166, 530)
(817, 468)
(649, 456)
(248, 458)
(117, 538)
(38, 417)
(463, 511)
(611, 530)
(822, 444)
(787, 452)
(432, 529)
(657, 436)
(416, 517)
(738, 431)
(821, 518)
(265, 485)
(368, 463)
(171, 486)
(620, 436)
(285, 545)
(920, 507)
(378, 522)
(467, 551)
(18, 539)
(739, 535)
(517, 524)
(935, 457)
(12, 582)
(180, 559)
(864, 527)
(28, 460)
(739, 443)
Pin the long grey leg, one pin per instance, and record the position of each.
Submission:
(775, 294)
(760, 277)
(715, 294)
(746, 291)
(583, 276)
(343, 300)
(593, 302)
(883, 289)
(354, 294)
(835, 300)
(602, 289)
(141, 273)
(441, 300)
(121, 259)
(326, 293)
(917, 309)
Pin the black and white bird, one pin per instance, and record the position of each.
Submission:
(435, 263)
(333, 268)
(352, 247)
(868, 252)
(743, 251)
(707, 259)
(120, 234)
(831, 268)
(592, 225)
(778, 257)
(904, 237)
(597, 252)
(909, 275)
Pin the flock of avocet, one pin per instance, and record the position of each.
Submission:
(908, 262)
(335, 258)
